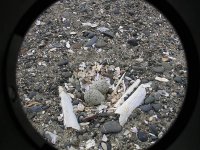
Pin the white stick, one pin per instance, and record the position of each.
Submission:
(120, 80)
(130, 104)
(69, 117)
(128, 91)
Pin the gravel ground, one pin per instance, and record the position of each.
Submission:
(108, 38)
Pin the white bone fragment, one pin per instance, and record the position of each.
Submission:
(67, 44)
(93, 25)
(69, 117)
(161, 79)
(104, 138)
(128, 91)
(90, 143)
(120, 80)
(130, 104)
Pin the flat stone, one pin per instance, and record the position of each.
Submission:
(146, 108)
(108, 34)
(133, 42)
(156, 107)
(32, 94)
(91, 42)
(178, 79)
(62, 62)
(153, 129)
(149, 100)
(111, 127)
(142, 136)
(158, 69)
(67, 74)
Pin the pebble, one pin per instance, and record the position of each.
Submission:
(158, 69)
(149, 100)
(111, 127)
(35, 109)
(32, 94)
(67, 74)
(93, 97)
(153, 129)
(62, 62)
(91, 42)
(142, 136)
(146, 108)
(105, 145)
(100, 44)
(133, 42)
(108, 34)
(178, 79)
(156, 107)
(81, 107)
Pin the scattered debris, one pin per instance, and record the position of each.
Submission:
(161, 79)
(51, 136)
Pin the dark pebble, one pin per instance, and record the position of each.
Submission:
(133, 42)
(91, 42)
(131, 12)
(178, 79)
(62, 62)
(67, 74)
(111, 127)
(158, 69)
(153, 129)
(149, 100)
(156, 107)
(32, 94)
(35, 109)
(108, 34)
(142, 136)
(146, 108)
(144, 81)
(75, 102)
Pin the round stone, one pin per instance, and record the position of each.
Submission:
(93, 97)
(101, 85)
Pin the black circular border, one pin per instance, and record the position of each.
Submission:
(191, 56)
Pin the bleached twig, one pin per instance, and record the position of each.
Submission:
(130, 104)
(128, 91)
(69, 117)
(118, 83)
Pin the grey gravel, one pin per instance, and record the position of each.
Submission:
(93, 97)
(111, 127)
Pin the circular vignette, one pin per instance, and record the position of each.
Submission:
(176, 21)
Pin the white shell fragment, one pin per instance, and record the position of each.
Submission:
(93, 25)
(120, 80)
(69, 117)
(130, 104)
(128, 91)
(161, 79)
(90, 143)
(51, 136)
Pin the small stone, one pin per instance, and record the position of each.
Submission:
(149, 100)
(158, 69)
(153, 129)
(108, 34)
(100, 44)
(93, 97)
(142, 136)
(75, 102)
(133, 42)
(156, 107)
(91, 42)
(81, 107)
(111, 127)
(101, 85)
(67, 74)
(146, 108)
(178, 79)
(105, 145)
(62, 62)
(32, 94)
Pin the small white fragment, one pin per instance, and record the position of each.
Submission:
(70, 119)
(161, 79)
(134, 130)
(120, 80)
(102, 29)
(73, 33)
(81, 107)
(52, 49)
(93, 25)
(163, 93)
(90, 143)
(128, 91)
(140, 59)
(130, 104)
(42, 64)
(126, 132)
(52, 136)
(71, 95)
(101, 108)
(137, 146)
(104, 138)
(84, 123)
(67, 44)
(38, 22)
